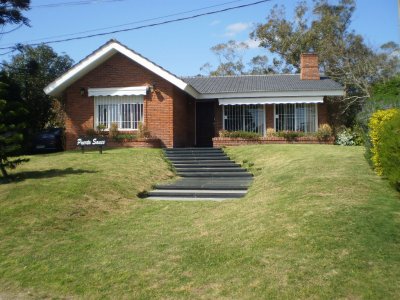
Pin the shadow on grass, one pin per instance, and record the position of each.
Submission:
(44, 174)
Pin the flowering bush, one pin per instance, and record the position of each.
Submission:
(345, 138)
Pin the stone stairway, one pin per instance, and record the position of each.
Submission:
(206, 174)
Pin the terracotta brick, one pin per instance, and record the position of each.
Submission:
(309, 69)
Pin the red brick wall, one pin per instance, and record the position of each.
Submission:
(309, 69)
(269, 116)
(184, 119)
(120, 71)
(322, 114)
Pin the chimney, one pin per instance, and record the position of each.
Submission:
(309, 66)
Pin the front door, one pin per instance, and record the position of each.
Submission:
(205, 118)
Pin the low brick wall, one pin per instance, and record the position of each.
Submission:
(222, 141)
(138, 143)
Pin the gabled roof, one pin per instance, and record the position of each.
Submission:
(269, 85)
(99, 56)
(221, 87)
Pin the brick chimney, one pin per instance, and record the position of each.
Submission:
(309, 66)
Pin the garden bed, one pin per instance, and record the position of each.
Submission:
(136, 143)
(228, 141)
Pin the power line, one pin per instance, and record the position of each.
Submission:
(131, 23)
(146, 26)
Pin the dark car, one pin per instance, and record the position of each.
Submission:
(51, 139)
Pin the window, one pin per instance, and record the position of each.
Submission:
(126, 111)
(244, 117)
(296, 117)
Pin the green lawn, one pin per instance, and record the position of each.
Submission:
(316, 223)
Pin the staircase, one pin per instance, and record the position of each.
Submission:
(206, 174)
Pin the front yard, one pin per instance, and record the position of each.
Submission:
(316, 223)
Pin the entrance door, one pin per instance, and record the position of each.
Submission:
(205, 118)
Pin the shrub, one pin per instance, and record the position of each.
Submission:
(376, 127)
(349, 137)
(143, 132)
(239, 134)
(390, 150)
(121, 137)
(113, 132)
(101, 129)
(290, 135)
(271, 132)
(324, 132)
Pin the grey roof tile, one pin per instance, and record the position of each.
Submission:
(259, 83)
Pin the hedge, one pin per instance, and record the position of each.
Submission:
(376, 128)
(390, 150)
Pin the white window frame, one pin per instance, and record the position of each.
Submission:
(119, 100)
(295, 116)
(264, 119)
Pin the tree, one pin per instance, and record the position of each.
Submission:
(11, 12)
(230, 61)
(343, 54)
(32, 69)
(12, 123)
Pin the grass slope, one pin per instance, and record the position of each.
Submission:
(316, 223)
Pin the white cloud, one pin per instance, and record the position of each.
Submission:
(215, 22)
(236, 28)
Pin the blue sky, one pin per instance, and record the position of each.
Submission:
(183, 47)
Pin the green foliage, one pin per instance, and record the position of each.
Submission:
(12, 124)
(101, 129)
(239, 134)
(125, 136)
(376, 129)
(33, 69)
(143, 131)
(349, 136)
(113, 132)
(390, 150)
(290, 135)
(324, 132)
(11, 12)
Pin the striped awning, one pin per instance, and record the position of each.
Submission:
(283, 100)
(118, 91)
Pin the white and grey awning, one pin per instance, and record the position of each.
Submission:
(118, 91)
(283, 100)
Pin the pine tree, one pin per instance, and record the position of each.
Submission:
(12, 123)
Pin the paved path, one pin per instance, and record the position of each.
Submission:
(206, 174)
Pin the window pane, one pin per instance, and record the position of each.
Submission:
(244, 117)
(123, 110)
(295, 117)
(285, 117)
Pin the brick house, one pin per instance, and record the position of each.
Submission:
(117, 85)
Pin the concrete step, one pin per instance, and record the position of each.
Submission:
(196, 194)
(233, 183)
(161, 198)
(212, 151)
(195, 155)
(205, 169)
(228, 164)
(215, 174)
(199, 158)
